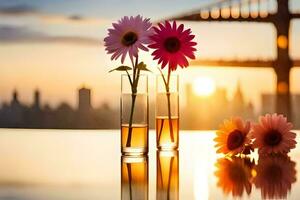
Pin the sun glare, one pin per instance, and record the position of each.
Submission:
(204, 86)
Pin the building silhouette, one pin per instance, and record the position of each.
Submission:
(84, 100)
(238, 102)
(16, 111)
(84, 113)
(37, 101)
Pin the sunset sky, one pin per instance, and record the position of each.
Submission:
(57, 46)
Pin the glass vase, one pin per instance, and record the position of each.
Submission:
(167, 113)
(134, 116)
(134, 178)
(167, 182)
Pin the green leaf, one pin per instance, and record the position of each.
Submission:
(142, 66)
(121, 68)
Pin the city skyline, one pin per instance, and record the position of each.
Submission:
(197, 111)
(42, 102)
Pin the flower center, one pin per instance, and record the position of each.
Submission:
(172, 44)
(273, 138)
(129, 38)
(235, 139)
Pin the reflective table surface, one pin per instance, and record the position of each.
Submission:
(87, 164)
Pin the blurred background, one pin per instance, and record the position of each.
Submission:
(54, 69)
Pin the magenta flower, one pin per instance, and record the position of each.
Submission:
(128, 36)
(172, 45)
(273, 135)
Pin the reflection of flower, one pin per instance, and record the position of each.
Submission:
(273, 135)
(234, 175)
(127, 36)
(232, 137)
(172, 45)
(275, 176)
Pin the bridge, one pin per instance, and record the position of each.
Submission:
(275, 12)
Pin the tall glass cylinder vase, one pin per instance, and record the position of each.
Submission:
(134, 116)
(167, 112)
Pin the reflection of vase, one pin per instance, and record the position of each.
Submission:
(134, 178)
(167, 180)
(275, 175)
(234, 175)
(134, 116)
(167, 113)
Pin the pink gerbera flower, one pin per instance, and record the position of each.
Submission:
(172, 45)
(128, 36)
(273, 135)
(233, 136)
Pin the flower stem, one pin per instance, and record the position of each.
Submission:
(170, 118)
(167, 85)
(161, 128)
(128, 142)
(169, 106)
(136, 76)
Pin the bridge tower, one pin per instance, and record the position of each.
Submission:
(283, 64)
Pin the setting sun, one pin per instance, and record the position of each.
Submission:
(204, 86)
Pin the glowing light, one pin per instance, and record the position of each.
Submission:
(204, 86)
(282, 42)
(282, 87)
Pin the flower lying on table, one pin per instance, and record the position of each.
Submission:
(272, 135)
(233, 136)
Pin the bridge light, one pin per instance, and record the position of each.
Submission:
(263, 14)
(282, 87)
(215, 13)
(204, 14)
(254, 14)
(235, 12)
(225, 13)
(282, 42)
(245, 14)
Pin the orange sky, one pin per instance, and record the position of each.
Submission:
(58, 69)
